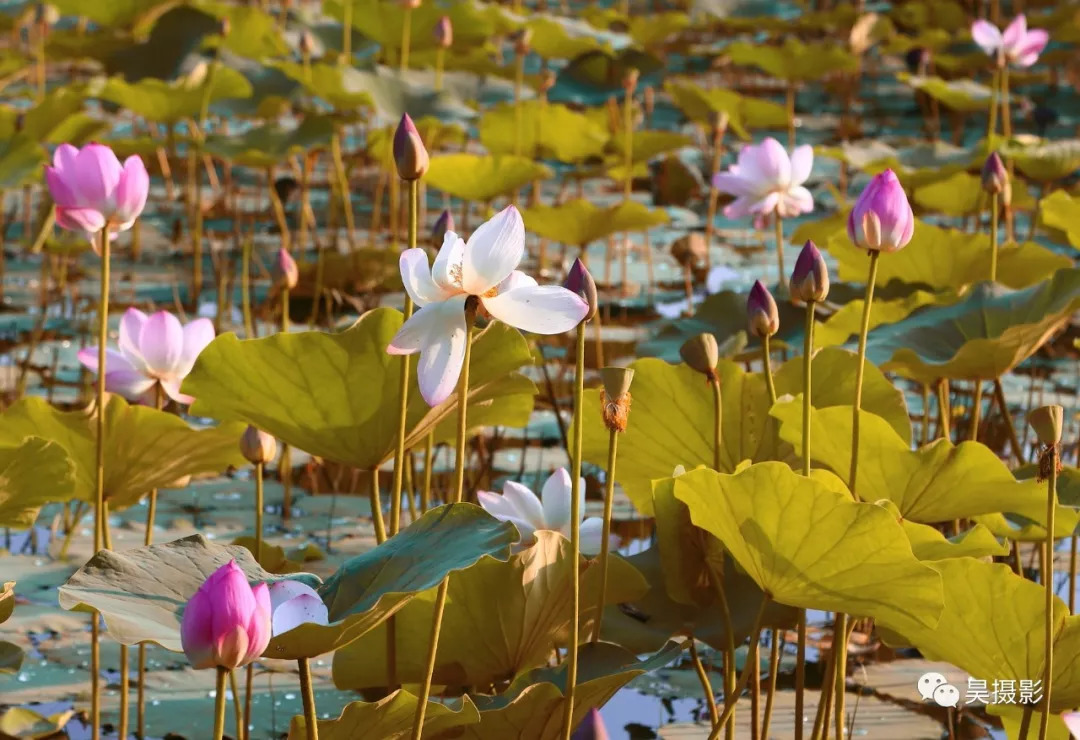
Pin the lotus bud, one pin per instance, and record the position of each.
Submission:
(410, 154)
(881, 219)
(810, 278)
(409, 4)
(1047, 422)
(257, 446)
(547, 81)
(580, 282)
(288, 272)
(522, 41)
(761, 312)
(444, 32)
(443, 224)
(591, 728)
(227, 622)
(615, 396)
(630, 80)
(701, 354)
(994, 175)
(224, 27)
(307, 43)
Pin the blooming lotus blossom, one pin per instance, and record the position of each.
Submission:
(227, 622)
(484, 268)
(1072, 721)
(293, 603)
(1017, 45)
(881, 219)
(93, 190)
(520, 506)
(766, 180)
(153, 349)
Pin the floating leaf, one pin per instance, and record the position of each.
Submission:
(474, 23)
(113, 14)
(555, 37)
(794, 60)
(654, 29)
(964, 95)
(958, 195)
(308, 388)
(170, 102)
(7, 601)
(253, 32)
(33, 472)
(11, 657)
(482, 178)
(370, 587)
(142, 592)
(579, 223)
(144, 448)
(342, 87)
(846, 323)
(1059, 210)
(548, 131)
(526, 605)
(812, 547)
(21, 161)
(744, 113)
(649, 144)
(605, 71)
(1045, 161)
(23, 722)
(390, 718)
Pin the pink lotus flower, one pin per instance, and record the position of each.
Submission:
(521, 507)
(153, 349)
(287, 269)
(293, 603)
(1072, 721)
(484, 268)
(767, 180)
(92, 190)
(227, 622)
(1017, 45)
(881, 219)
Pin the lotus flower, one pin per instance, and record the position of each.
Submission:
(520, 506)
(287, 269)
(881, 219)
(485, 269)
(1017, 45)
(1072, 721)
(92, 190)
(444, 32)
(767, 180)
(591, 728)
(227, 622)
(293, 603)
(153, 349)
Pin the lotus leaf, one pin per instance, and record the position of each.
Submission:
(370, 587)
(1020, 528)
(473, 22)
(253, 32)
(23, 722)
(930, 544)
(21, 160)
(744, 113)
(555, 37)
(958, 195)
(171, 102)
(1045, 162)
(342, 87)
(142, 592)
(794, 60)
(307, 388)
(390, 718)
(483, 178)
(936, 483)
(114, 14)
(500, 619)
(11, 655)
(982, 336)
(656, 29)
(33, 472)
(7, 601)
(649, 144)
(268, 145)
(55, 119)
(672, 418)
(605, 70)
(144, 448)
(809, 546)
(847, 321)
(579, 223)
(966, 96)
(548, 131)
(1060, 210)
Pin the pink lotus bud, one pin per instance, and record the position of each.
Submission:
(444, 32)
(409, 4)
(443, 224)
(995, 177)
(591, 728)
(288, 272)
(410, 154)
(881, 219)
(227, 622)
(579, 281)
(257, 446)
(810, 278)
(761, 312)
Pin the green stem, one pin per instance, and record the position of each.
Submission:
(236, 702)
(730, 700)
(1048, 586)
(628, 143)
(729, 647)
(766, 359)
(575, 538)
(148, 539)
(459, 491)
(605, 541)
(429, 455)
(376, 507)
(346, 32)
(337, 158)
(944, 409)
(440, 62)
(259, 512)
(403, 380)
(248, 681)
(245, 286)
(406, 37)
(994, 236)
(219, 704)
(1074, 542)
(718, 412)
(311, 720)
(774, 668)
(1006, 113)
(125, 689)
(1025, 722)
(859, 370)
(800, 674)
(840, 673)
(782, 281)
(706, 684)
(800, 650)
(991, 127)
(976, 411)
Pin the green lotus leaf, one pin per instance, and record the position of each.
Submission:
(554, 37)
(370, 587)
(362, 270)
(946, 259)
(985, 335)
(1012, 717)
(579, 223)
(655, 29)
(821, 230)
(33, 472)
(142, 592)
(744, 113)
(52, 120)
(846, 323)
(7, 601)
(342, 87)
(936, 483)
(11, 657)
(434, 133)
(1059, 210)
(390, 718)
(948, 16)
(1021, 528)
(144, 448)
(474, 23)
(170, 102)
(483, 178)
(308, 388)
(25, 723)
(270, 144)
(606, 70)
(531, 708)
(1068, 482)
(113, 14)
(21, 161)
(672, 419)
(929, 543)
(809, 546)
(794, 60)
(253, 32)
(548, 131)
(1045, 161)
(958, 195)
(649, 144)
(964, 95)
(521, 615)
(917, 165)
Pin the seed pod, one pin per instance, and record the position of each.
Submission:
(615, 396)
(257, 446)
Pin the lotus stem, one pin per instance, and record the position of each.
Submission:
(259, 512)
(824, 710)
(944, 410)
(840, 639)
(148, 539)
(718, 412)
(995, 84)
(782, 280)
(993, 236)
(459, 491)
(1006, 112)
(248, 681)
(219, 704)
(403, 384)
(440, 62)
(1048, 587)
(774, 668)
(790, 116)
(245, 285)
(519, 84)
(730, 700)
(628, 142)
(1025, 722)
(729, 648)
(125, 689)
(429, 458)
(311, 720)
(1073, 542)
(285, 476)
(346, 32)
(406, 37)
(800, 650)
(339, 167)
(575, 537)
(766, 359)
(706, 684)
(800, 674)
(753, 662)
(76, 519)
(376, 507)
(976, 411)
(605, 543)
(238, 710)
(317, 292)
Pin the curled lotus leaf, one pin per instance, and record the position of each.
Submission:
(929, 543)
(171, 102)
(390, 718)
(1044, 161)
(1020, 528)
(25, 723)
(33, 472)
(579, 223)
(482, 178)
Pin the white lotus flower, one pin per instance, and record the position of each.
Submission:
(520, 506)
(484, 267)
(293, 603)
